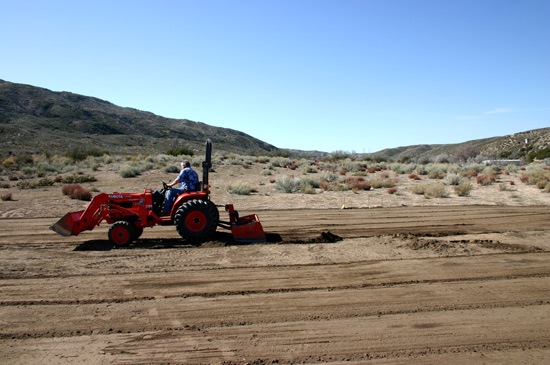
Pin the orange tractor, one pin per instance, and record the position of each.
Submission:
(195, 216)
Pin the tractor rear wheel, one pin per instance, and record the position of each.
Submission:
(121, 233)
(196, 220)
(138, 231)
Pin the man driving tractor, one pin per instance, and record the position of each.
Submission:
(188, 180)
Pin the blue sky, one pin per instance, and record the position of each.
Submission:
(350, 75)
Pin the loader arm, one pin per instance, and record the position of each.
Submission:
(71, 224)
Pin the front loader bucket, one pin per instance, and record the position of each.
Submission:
(69, 224)
(248, 229)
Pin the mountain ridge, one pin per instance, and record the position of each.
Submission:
(38, 120)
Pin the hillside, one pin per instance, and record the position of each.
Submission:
(524, 145)
(35, 120)
(38, 120)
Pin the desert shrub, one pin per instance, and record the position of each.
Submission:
(6, 197)
(503, 187)
(180, 151)
(78, 179)
(539, 154)
(418, 189)
(541, 184)
(33, 185)
(28, 170)
(524, 178)
(334, 186)
(263, 159)
(536, 176)
(129, 171)
(402, 168)
(288, 184)
(45, 182)
(357, 183)
(310, 169)
(392, 190)
(171, 169)
(452, 179)
(280, 162)
(432, 190)
(442, 158)
(547, 187)
(9, 162)
(377, 183)
(436, 171)
(24, 160)
(75, 191)
(240, 188)
(77, 154)
(5, 185)
(267, 172)
(435, 191)
(339, 155)
(328, 176)
(485, 179)
(312, 182)
(236, 161)
(469, 173)
(436, 175)
(45, 168)
(511, 168)
(136, 169)
(161, 159)
(25, 185)
(463, 189)
(491, 170)
(308, 186)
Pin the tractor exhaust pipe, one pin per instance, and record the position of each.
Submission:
(206, 165)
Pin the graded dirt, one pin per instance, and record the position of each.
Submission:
(344, 278)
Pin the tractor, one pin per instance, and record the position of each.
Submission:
(194, 215)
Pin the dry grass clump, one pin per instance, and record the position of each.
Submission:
(239, 188)
(37, 184)
(540, 177)
(137, 168)
(503, 186)
(75, 191)
(288, 184)
(453, 179)
(77, 179)
(463, 189)
(381, 182)
(431, 190)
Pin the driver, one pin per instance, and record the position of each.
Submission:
(188, 180)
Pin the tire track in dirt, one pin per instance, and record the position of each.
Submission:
(280, 307)
(254, 279)
(121, 307)
(302, 224)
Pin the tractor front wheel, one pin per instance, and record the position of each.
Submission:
(196, 220)
(121, 234)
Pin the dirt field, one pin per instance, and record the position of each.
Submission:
(397, 279)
